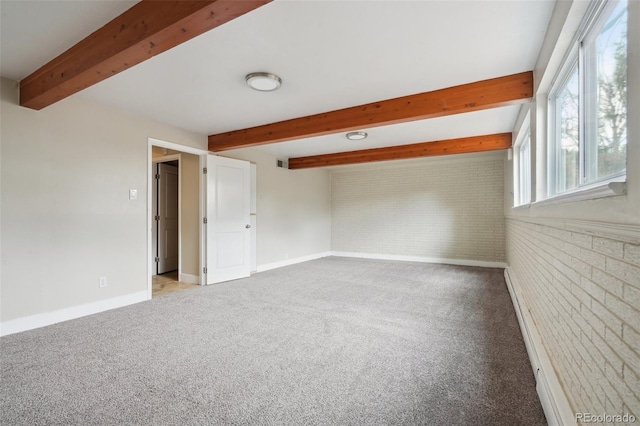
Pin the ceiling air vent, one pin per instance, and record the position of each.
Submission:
(282, 164)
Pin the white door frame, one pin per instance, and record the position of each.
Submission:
(189, 150)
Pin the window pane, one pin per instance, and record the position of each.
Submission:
(568, 134)
(525, 171)
(610, 51)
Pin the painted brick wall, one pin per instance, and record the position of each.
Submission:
(583, 293)
(449, 209)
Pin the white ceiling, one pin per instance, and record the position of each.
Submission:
(34, 32)
(330, 55)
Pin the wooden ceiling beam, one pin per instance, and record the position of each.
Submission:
(145, 30)
(497, 92)
(424, 149)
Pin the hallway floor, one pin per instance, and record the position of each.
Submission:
(168, 283)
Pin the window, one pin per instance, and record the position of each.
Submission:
(588, 105)
(522, 163)
(524, 170)
(566, 127)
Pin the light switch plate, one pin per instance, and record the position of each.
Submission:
(133, 194)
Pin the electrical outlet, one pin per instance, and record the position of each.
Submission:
(102, 282)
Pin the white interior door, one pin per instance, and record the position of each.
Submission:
(168, 231)
(228, 223)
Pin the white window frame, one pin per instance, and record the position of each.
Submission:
(609, 185)
(522, 173)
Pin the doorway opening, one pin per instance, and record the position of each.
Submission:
(175, 202)
(166, 212)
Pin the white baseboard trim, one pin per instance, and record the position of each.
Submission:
(555, 403)
(462, 262)
(49, 318)
(189, 279)
(288, 262)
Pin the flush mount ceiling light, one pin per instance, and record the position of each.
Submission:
(356, 136)
(263, 81)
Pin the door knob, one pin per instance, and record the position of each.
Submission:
(248, 226)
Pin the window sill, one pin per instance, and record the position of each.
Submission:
(601, 190)
(521, 207)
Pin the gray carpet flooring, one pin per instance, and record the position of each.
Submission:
(334, 341)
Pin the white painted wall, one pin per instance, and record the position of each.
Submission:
(435, 208)
(66, 217)
(576, 265)
(293, 210)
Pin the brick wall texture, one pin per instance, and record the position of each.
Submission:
(445, 210)
(583, 293)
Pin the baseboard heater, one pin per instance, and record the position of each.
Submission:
(552, 397)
